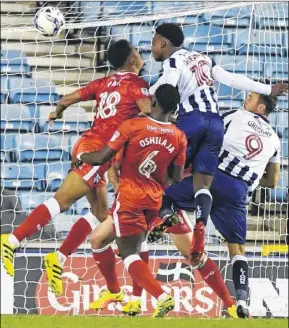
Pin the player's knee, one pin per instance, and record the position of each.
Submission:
(64, 204)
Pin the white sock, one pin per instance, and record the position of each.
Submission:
(61, 258)
(162, 297)
(52, 206)
(13, 240)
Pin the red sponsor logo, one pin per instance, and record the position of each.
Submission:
(83, 282)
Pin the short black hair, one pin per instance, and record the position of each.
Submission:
(168, 97)
(171, 32)
(118, 52)
(269, 102)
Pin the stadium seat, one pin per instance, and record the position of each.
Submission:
(55, 173)
(14, 61)
(272, 15)
(280, 193)
(205, 38)
(282, 123)
(25, 90)
(118, 32)
(124, 8)
(20, 177)
(7, 147)
(30, 200)
(141, 36)
(82, 206)
(151, 69)
(249, 65)
(229, 97)
(284, 148)
(74, 120)
(4, 89)
(16, 118)
(230, 17)
(277, 70)
(261, 42)
(37, 148)
(71, 142)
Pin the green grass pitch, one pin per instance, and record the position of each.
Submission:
(30, 321)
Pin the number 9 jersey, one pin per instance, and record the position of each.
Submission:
(116, 98)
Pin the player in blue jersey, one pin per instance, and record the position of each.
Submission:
(194, 74)
(250, 156)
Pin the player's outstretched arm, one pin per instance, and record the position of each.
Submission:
(63, 103)
(178, 172)
(242, 82)
(97, 157)
(270, 178)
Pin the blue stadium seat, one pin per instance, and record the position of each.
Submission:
(55, 173)
(71, 142)
(16, 118)
(229, 97)
(204, 38)
(25, 90)
(4, 88)
(82, 206)
(20, 177)
(249, 65)
(282, 123)
(7, 147)
(277, 70)
(284, 148)
(279, 194)
(151, 69)
(141, 36)
(261, 42)
(39, 148)
(74, 120)
(120, 32)
(125, 8)
(30, 200)
(230, 17)
(273, 15)
(14, 61)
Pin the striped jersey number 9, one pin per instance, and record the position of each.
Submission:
(254, 146)
(148, 166)
(107, 105)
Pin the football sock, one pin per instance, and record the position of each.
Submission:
(105, 259)
(136, 288)
(240, 277)
(37, 219)
(203, 201)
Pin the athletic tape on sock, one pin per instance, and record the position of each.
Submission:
(52, 206)
(92, 220)
(203, 191)
(239, 258)
(100, 250)
(130, 259)
(144, 247)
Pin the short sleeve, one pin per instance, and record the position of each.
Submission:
(276, 158)
(138, 90)
(89, 91)
(120, 137)
(180, 159)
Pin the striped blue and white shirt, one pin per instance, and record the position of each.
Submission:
(250, 143)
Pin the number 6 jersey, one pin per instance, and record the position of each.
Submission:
(116, 98)
(149, 147)
(249, 144)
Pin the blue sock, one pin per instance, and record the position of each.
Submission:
(240, 277)
(203, 201)
(167, 207)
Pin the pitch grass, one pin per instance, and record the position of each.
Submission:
(30, 321)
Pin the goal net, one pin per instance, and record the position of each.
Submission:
(244, 37)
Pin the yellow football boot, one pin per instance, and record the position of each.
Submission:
(7, 254)
(163, 307)
(105, 298)
(132, 308)
(54, 270)
(232, 310)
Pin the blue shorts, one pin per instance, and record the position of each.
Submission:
(228, 211)
(205, 134)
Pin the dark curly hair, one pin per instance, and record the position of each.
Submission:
(168, 97)
(269, 102)
(118, 52)
(171, 32)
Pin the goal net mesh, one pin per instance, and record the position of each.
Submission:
(244, 37)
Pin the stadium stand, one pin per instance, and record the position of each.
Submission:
(16, 118)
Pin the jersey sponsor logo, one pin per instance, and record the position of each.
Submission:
(157, 141)
(145, 91)
(258, 129)
(254, 146)
(115, 136)
(160, 130)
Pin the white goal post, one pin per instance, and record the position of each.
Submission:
(244, 37)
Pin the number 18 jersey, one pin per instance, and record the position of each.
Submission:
(149, 147)
(249, 144)
(116, 98)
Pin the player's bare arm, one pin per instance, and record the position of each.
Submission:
(95, 158)
(63, 103)
(144, 104)
(177, 174)
(113, 176)
(271, 176)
